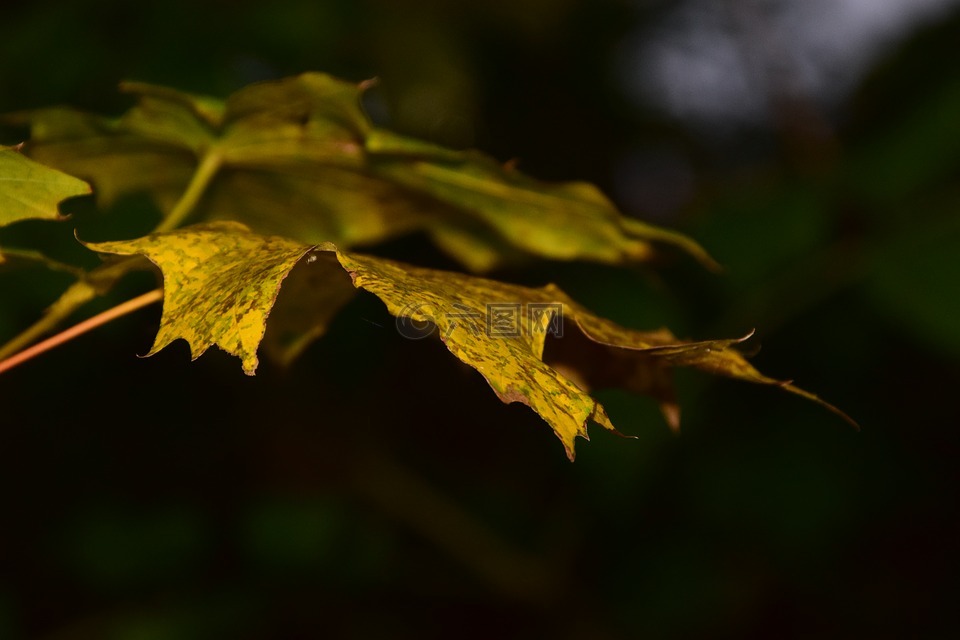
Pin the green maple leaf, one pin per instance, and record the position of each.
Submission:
(221, 281)
(299, 158)
(29, 189)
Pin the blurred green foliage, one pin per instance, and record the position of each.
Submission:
(234, 510)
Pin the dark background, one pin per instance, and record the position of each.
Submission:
(378, 489)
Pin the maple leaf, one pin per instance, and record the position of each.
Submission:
(298, 157)
(29, 189)
(221, 281)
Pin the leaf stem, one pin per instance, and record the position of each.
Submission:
(92, 284)
(78, 329)
(73, 298)
(206, 170)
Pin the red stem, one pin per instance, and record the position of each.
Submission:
(78, 329)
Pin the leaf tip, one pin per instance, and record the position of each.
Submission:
(789, 386)
(711, 264)
(671, 413)
(369, 83)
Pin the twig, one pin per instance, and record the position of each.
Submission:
(511, 572)
(204, 174)
(78, 329)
